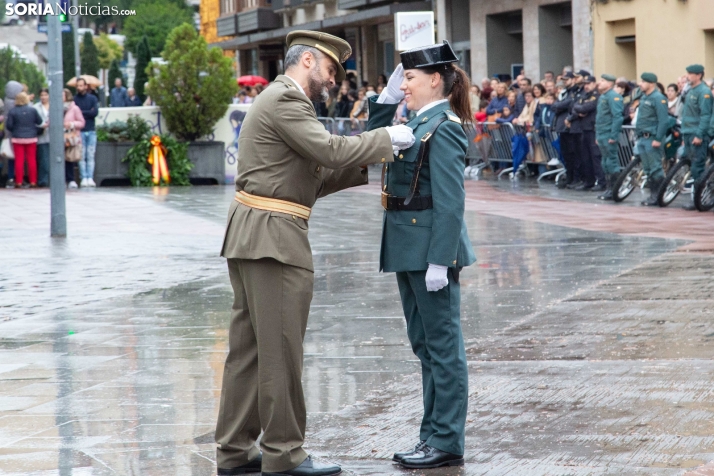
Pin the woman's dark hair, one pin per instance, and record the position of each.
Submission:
(625, 87)
(44, 90)
(456, 88)
(540, 87)
(660, 87)
(673, 85)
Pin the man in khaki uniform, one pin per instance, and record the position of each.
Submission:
(286, 161)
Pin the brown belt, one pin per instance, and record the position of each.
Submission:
(273, 205)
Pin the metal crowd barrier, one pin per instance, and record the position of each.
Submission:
(343, 126)
(492, 142)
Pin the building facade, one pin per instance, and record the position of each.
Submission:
(634, 36)
(490, 36)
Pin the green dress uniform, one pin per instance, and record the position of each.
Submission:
(696, 115)
(652, 123)
(608, 125)
(413, 239)
(287, 161)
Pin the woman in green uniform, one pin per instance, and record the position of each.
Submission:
(424, 239)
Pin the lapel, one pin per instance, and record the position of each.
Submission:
(424, 117)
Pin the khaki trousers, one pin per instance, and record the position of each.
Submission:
(262, 386)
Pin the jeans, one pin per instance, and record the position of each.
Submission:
(89, 146)
(43, 164)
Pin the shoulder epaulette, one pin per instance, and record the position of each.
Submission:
(453, 117)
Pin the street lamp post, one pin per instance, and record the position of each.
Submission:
(58, 220)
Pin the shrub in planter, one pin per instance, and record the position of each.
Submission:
(134, 129)
(195, 85)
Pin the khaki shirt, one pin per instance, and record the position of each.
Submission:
(286, 153)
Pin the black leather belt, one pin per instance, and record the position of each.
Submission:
(417, 203)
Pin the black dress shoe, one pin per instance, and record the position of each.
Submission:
(309, 467)
(249, 467)
(429, 457)
(599, 187)
(398, 457)
(574, 185)
(583, 186)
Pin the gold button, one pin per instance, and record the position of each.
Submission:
(424, 120)
(294, 217)
(454, 261)
(383, 159)
(317, 169)
(401, 156)
(413, 220)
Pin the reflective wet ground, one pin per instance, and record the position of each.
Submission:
(590, 341)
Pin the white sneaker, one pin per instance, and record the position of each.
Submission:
(83, 183)
(553, 162)
(90, 183)
(72, 184)
(467, 172)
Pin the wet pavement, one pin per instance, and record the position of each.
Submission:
(588, 328)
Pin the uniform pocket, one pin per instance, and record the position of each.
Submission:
(421, 218)
(291, 219)
(315, 169)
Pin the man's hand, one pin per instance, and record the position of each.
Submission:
(611, 141)
(392, 94)
(656, 143)
(402, 136)
(567, 124)
(696, 141)
(436, 277)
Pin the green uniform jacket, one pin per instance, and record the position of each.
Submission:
(608, 122)
(413, 239)
(697, 111)
(652, 115)
(286, 153)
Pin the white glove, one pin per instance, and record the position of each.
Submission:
(436, 277)
(402, 136)
(392, 94)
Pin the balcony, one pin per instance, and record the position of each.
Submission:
(258, 19)
(227, 25)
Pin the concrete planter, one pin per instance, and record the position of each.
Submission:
(207, 158)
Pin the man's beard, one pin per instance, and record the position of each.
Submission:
(317, 88)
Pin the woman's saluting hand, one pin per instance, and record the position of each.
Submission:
(392, 94)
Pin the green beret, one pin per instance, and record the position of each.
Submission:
(649, 77)
(695, 69)
(336, 48)
(609, 77)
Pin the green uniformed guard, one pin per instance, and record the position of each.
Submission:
(424, 239)
(696, 115)
(608, 124)
(651, 130)
(287, 160)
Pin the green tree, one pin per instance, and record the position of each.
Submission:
(154, 20)
(68, 56)
(89, 56)
(2, 9)
(107, 50)
(143, 58)
(12, 67)
(194, 86)
(105, 18)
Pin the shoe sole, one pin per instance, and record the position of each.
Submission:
(239, 471)
(454, 462)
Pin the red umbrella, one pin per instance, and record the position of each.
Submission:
(251, 80)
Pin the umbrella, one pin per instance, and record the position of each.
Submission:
(251, 80)
(92, 81)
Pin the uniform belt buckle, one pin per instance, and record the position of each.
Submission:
(385, 197)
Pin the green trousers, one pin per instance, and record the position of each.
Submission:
(610, 158)
(696, 153)
(434, 330)
(262, 386)
(651, 158)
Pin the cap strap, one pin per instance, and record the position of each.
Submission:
(327, 52)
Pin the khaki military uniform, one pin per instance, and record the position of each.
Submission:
(288, 157)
